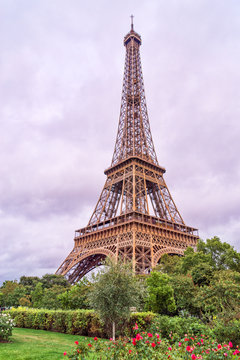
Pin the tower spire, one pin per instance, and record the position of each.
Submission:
(134, 136)
(132, 22)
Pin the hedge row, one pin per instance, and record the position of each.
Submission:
(79, 322)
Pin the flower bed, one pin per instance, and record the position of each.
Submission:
(146, 345)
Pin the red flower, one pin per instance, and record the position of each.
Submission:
(90, 345)
(186, 339)
(193, 357)
(169, 348)
(134, 341)
(149, 335)
(138, 337)
(189, 349)
(135, 327)
(95, 339)
(153, 345)
(157, 335)
(129, 351)
(219, 346)
(65, 353)
(76, 342)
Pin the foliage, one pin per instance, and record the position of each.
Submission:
(222, 255)
(116, 290)
(34, 292)
(222, 296)
(76, 297)
(79, 322)
(230, 330)
(160, 297)
(6, 326)
(173, 328)
(185, 293)
(168, 264)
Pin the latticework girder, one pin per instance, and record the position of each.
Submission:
(135, 218)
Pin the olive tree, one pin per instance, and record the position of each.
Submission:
(114, 291)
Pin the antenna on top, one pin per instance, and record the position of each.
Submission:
(131, 21)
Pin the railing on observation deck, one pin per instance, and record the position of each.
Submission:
(139, 217)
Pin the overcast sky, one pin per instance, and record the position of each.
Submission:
(61, 71)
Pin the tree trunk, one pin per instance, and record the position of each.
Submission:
(113, 330)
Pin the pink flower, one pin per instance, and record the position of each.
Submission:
(225, 354)
(179, 344)
(149, 335)
(157, 335)
(193, 357)
(219, 346)
(65, 353)
(111, 339)
(236, 352)
(201, 341)
(76, 342)
(136, 326)
(169, 348)
(230, 344)
(153, 345)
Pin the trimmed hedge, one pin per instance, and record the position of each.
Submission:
(79, 322)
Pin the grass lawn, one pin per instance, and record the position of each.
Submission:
(28, 344)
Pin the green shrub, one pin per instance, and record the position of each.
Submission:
(228, 332)
(176, 327)
(79, 322)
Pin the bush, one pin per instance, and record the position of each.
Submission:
(228, 332)
(6, 326)
(78, 322)
(176, 327)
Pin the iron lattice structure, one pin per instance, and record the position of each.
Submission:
(135, 217)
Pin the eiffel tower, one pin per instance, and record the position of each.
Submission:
(135, 218)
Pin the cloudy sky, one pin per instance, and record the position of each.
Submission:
(61, 70)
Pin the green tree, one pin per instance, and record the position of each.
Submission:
(202, 274)
(160, 293)
(37, 295)
(49, 280)
(115, 290)
(76, 297)
(191, 259)
(185, 293)
(222, 255)
(11, 293)
(168, 264)
(50, 296)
